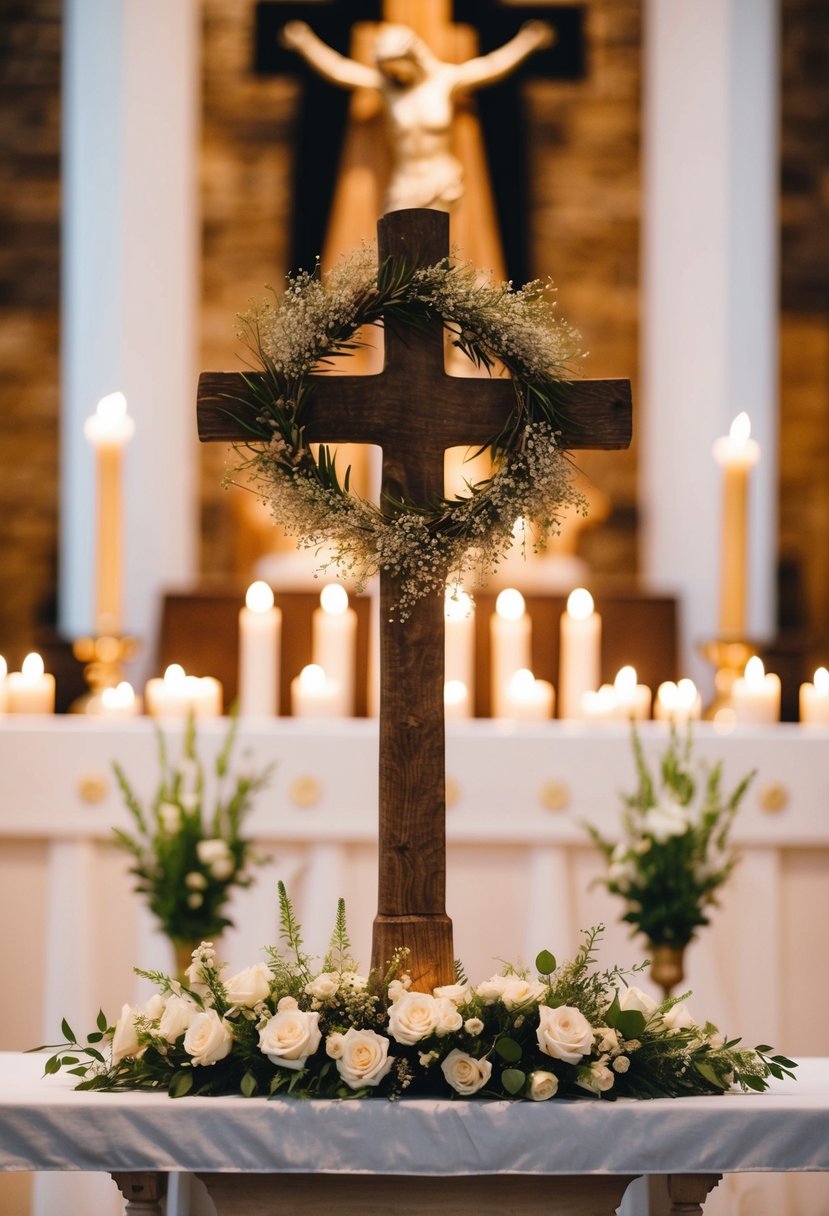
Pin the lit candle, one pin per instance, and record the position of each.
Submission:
(580, 639)
(633, 700)
(737, 454)
(30, 690)
(755, 696)
(601, 705)
(4, 670)
(456, 701)
(678, 703)
(260, 631)
(117, 702)
(177, 695)
(334, 645)
(814, 700)
(459, 618)
(108, 430)
(314, 695)
(510, 636)
(527, 698)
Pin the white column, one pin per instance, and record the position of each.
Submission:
(130, 249)
(709, 324)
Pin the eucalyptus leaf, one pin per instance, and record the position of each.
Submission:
(508, 1049)
(513, 1080)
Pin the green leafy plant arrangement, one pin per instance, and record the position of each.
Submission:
(317, 318)
(674, 854)
(186, 856)
(285, 1027)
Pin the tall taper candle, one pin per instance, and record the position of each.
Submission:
(108, 429)
(260, 631)
(334, 642)
(737, 453)
(510, 632)
(580, 640)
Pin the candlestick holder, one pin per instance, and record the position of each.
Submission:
(728, 657)
(103, 657)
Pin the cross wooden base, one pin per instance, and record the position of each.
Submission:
(429, 939)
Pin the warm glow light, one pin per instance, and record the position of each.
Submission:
(686, 693)
(740, 431)
(32, 667)
(510, 604)
(755, 673)
(454, 692)
(334, 599)
(4, 667)
(519, 528)
(120, 697)
(626, 681)
(522, 683)
(821, 682)
(110, 423)
(579, 604)
(112, 407)
(259, 597)
(312, 678)
(457, 605)
(174, 676)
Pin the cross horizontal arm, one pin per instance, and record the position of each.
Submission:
(592, 413)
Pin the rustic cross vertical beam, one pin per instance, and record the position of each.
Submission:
(414, 411)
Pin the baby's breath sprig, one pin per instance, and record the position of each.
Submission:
(317, 318)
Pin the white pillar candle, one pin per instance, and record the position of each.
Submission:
(315, 695)
(755, 696)
(599, 706)
(737, 454)
(456, 701)
(260, 632)
(677, 703)
(459, 619)
(108, 430)
(527, 698)
(177, 695)
(633, 700)
(580, 640)
(117, 702)
(3, 675)
(32, 689)
(510, 633)
(334, 642)
(814, 700)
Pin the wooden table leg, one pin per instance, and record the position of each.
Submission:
(142, 1191)
(688, 1192)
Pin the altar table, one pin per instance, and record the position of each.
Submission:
(573, 1157)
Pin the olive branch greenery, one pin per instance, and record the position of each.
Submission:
(320, 317)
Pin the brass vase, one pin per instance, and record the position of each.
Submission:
(667, 966)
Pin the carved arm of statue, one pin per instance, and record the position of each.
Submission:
(487, 69)
(298, 36)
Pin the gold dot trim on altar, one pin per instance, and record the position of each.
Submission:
(93, 787)
(554, 796)
(305, 791)
(773, 797)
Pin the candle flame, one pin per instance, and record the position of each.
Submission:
(821, 682)
(32, 666)
(457, 606)
(686, 693)
(580, 604)
(755, 673)
(4, 667)
(522, 683)
(626, 681)
(667, 694)
(174, 676)
(454, 692)
(510, 604)
(259, 597)
(120, 697)
(334, 599)
(740, 431)
(112, 407)
(312, 678)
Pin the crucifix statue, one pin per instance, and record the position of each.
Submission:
(378, 409)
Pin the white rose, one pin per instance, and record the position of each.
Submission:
(154, 1006)
(208, 1038)
(490, 990)
(250, 986)
(334, 1045)
(194, 975)
(449, 1020)
(464, 1073)
(597, 1078)
(287, 1002)
(210, 851)
(564, 1033)
(365, 1058)
(413, 1017)
(607, 1039)
(473, 1026)
(324, 986)
(396, 991)
(679, 1017)
(176, 1019)
(518, 991)
(621, 1064)
(169, 815)
(635, 998)
(457, 993)
(543, 1085)
(125, 1039)
(290, 1037)
(664, 820)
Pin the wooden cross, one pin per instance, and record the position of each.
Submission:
(414, 411)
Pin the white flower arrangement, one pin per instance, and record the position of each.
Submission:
(318, 317)
(283, 1028)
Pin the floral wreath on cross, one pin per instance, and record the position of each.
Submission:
(317, 318)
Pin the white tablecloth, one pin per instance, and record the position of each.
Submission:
(46, 1125)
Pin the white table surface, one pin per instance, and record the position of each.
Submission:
(46, 1125)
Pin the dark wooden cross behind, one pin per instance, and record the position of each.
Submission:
(414, 411)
